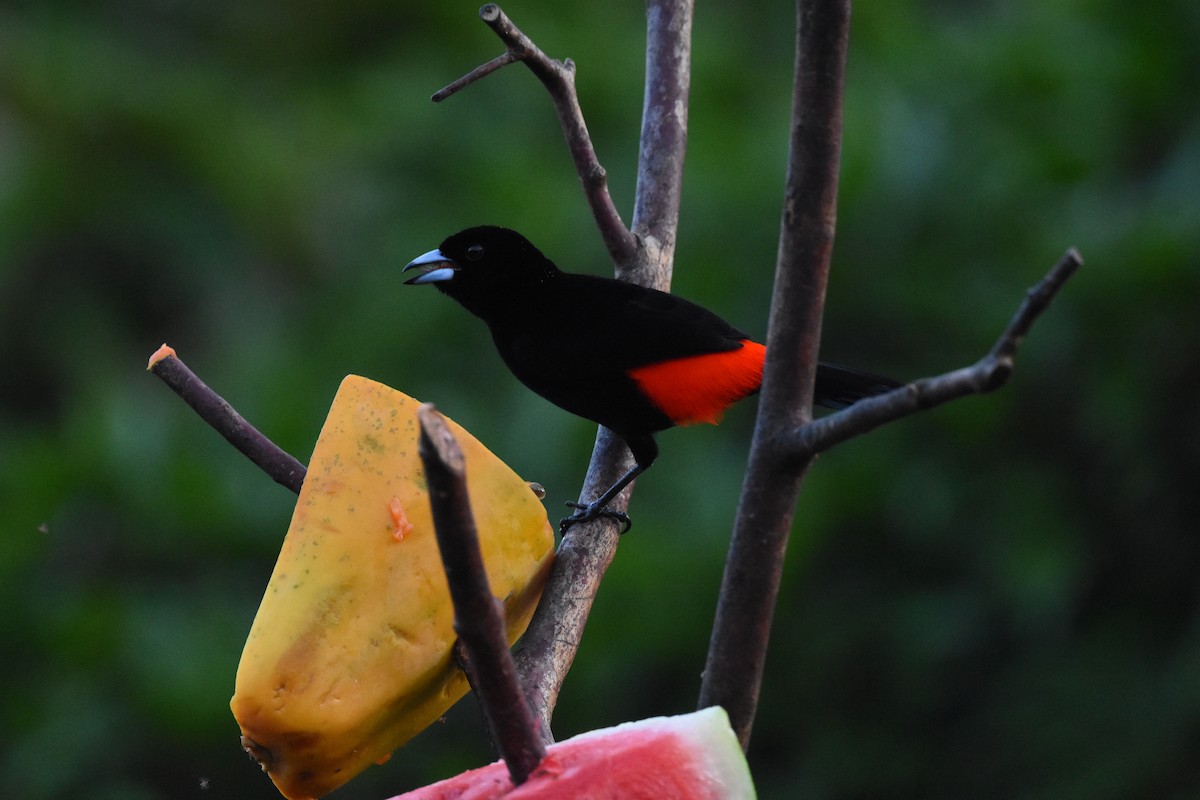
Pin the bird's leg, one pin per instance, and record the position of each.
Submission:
(598, 507)
(644, 450)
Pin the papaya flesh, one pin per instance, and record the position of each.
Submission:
(349, 655)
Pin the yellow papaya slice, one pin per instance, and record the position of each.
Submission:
(349, 655)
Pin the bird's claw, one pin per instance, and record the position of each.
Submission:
(591, 511)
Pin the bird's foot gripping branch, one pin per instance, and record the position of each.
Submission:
(586, 512)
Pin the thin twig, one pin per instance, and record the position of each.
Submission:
(986, 375)
(212, 408)
(482, 71)
(1036, 301)
(478, 615)
(559, 79)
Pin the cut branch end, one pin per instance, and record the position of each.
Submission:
(438, 441)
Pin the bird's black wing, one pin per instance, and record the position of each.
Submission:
(629, 326)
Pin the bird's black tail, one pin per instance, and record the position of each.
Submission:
(838, 387)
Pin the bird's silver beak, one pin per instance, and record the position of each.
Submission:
(434, 266)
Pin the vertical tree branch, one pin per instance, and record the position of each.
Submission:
(550, 643)
(663, 141)
(478, 615)
(642, 255)
(553, 638)
(737, 650)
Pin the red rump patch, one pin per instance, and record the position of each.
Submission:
(700, 388)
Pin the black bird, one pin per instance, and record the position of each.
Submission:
(632, 359)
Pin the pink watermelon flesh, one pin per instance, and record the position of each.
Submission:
(689, 757)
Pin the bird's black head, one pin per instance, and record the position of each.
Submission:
(485, 268)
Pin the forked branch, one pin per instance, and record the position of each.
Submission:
(737, 650)
(559, 79)
(792, 450)
(643, 256)
(786, 440)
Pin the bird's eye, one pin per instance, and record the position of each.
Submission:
(474, 252)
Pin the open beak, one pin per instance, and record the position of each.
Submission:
(434, 267)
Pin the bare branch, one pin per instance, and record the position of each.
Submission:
(1036, 301)
(786, 439)
(559, 79)
(482, 71)
(738, 647)
(549, 645)
(664, 138)
(478, 615)
(212, 408)
(986, 375)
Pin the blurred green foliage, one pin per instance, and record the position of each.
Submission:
(995, 599)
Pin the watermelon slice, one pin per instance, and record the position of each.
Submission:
(689, 757)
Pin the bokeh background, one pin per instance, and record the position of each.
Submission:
(995, 599)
